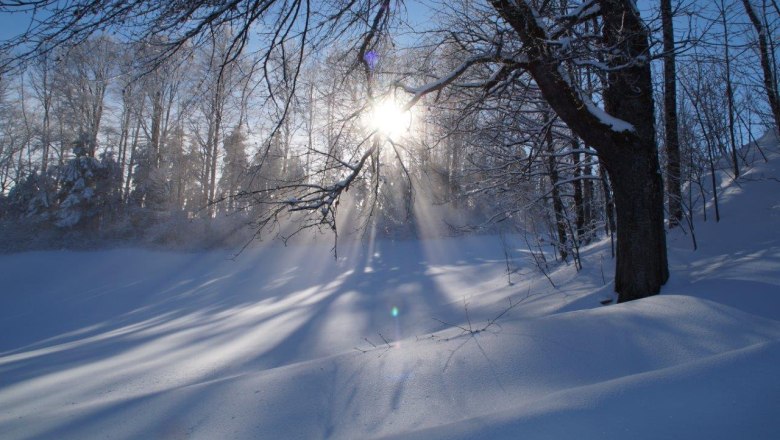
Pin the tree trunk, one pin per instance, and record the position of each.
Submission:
(552, 170)
(713, 179)
(213, 157)
(124, 136)
(609, 204)
(156, 142)
(45, 96)
(670, 118)
(642, 266)
(729, 90)
(587, 195)
(579, 209)
(45, 139)
(310, 133)
(131, 162)
(641, 241)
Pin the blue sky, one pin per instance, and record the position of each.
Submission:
(12, 24)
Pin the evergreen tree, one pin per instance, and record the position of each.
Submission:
(88, 185)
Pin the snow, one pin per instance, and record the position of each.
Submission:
(616, 124)
(290, 343)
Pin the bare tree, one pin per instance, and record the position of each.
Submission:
(41, 81)
(729, 87)
(82, 78)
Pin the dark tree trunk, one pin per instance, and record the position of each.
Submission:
(766, 62)
(628, 152)
(552, 170)
(454, 143)
(729, 89)
(587, 195)
(642, 266)
(579, 206)
(641, 242)
(670, 118)
(713, 179)
(609, 204)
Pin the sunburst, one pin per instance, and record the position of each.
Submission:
(389, 118)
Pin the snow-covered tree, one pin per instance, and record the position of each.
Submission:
(89, 188)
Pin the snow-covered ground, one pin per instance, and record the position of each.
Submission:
(290, 343)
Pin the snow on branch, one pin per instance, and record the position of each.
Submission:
(501, 74)
(616, 124)
(584, 11)
(444, 81)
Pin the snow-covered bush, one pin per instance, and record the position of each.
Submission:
(31, 199)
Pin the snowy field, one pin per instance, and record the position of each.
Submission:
(288, 343)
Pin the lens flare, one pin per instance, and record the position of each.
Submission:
(371, 59)
(394, 312)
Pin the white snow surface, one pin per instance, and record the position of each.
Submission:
(287, 343)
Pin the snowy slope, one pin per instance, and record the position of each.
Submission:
(290, 343)
(738, 261)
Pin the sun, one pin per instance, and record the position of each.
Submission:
(389, 119)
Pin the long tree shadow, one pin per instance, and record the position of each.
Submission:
(387, 294)
(191, 318)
